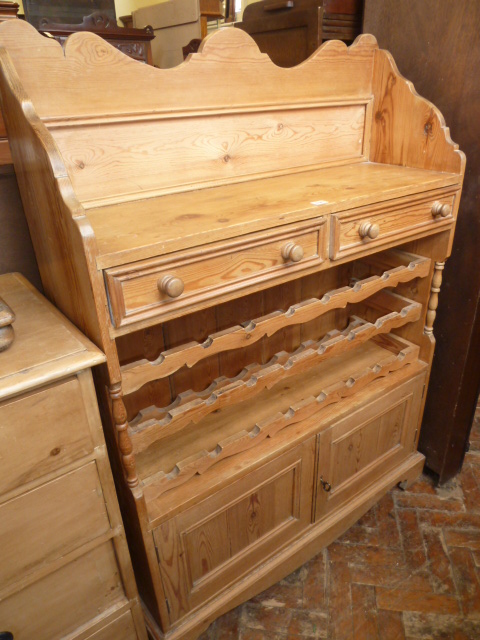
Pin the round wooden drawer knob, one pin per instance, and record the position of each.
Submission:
(440, 209)
(171, 285)
(292, 252)
(368, 230)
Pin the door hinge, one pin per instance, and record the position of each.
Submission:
(423, 391)
(415, 439)
(168, 605)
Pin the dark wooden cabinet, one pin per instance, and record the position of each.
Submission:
(290, 31)
(135, 43)
(436, 45)
(68, 12)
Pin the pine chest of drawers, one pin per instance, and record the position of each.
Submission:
(65, 569)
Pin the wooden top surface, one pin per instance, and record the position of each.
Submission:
(46, 346)
(146, 228)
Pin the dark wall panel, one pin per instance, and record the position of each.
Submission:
(436, 45)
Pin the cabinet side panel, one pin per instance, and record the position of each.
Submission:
(62, 238)
(408, 130)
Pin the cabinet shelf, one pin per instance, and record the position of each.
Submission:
(390, 268)
(238, 427)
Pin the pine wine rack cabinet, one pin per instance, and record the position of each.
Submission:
(259, 252)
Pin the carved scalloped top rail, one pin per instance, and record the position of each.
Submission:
(227, 111)
(228, 71)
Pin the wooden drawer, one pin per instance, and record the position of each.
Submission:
(122, 628)
(48, 522)
(140, 290)
(355, 451)
(216, 542)
(64, 600)
(42, 432)
(395, 221)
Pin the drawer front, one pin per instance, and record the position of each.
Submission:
(58, 604)
(216, 542)
(357, 450)
(379, 225)
(50, 521)
(142, 290)
(42, 432)
(122, 628)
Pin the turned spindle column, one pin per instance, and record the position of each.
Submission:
(124, 442)
(433, 300)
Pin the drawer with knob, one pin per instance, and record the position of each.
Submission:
(163, 286)
(391, 222)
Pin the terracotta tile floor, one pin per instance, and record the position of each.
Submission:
(410, 568)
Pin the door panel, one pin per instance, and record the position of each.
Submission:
(358, 449)
(216, 542)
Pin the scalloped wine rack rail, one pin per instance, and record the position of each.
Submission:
(152, 423)
(402, 267)
(397, 353)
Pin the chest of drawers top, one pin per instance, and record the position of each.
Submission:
(46, 347)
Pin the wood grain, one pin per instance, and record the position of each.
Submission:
(48, 522)
(270, 507)
(121, 628)
(56, 433)
(105, 164)
(48, 188)
(59, 519)
(64, 350)
(344, 72)
(455, 383)
(360, 448)
(82, 590)
(395, 221)
(427, 144)
(229, 211)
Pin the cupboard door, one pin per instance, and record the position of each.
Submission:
(216, 542)
(358, 449)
